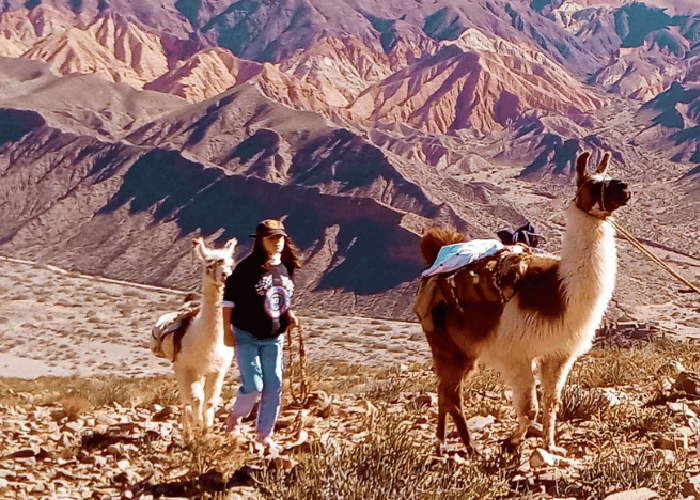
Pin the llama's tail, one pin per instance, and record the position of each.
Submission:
(437, 238)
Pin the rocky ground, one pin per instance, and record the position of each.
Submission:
(54, 323)
(109, 426)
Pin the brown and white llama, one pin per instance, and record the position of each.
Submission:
(201, 358)
(551, 319)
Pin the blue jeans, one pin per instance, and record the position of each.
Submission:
(260, 367)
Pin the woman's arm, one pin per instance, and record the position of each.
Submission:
(229, 337)
(232, 290)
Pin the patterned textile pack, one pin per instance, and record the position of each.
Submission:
(166, 336)
(493, 278)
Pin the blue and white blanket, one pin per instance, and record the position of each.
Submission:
(452, 257)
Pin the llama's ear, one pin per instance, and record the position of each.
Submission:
(230, 246)
(199, 247)
(603, 164)
(581, 163)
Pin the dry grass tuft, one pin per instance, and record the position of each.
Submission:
(390, 454)
(578, 403)
(387, 390)
(95, 392)
(483, 394)
(612, 471)
(389, 463)
(634, 422)
(75, 406)
(224, 453)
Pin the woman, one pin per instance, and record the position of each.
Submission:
(257, 303)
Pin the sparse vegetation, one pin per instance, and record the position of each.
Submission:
(388, 462)
(583, 404)
(610, 421)
(625, 472)
(96, 392)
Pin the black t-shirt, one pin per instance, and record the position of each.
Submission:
(260, 296)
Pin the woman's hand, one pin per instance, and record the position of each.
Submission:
(292, 320)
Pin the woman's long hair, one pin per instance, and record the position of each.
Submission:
(291, 255)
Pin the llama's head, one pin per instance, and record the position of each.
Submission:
(218, 262)
(598, 195)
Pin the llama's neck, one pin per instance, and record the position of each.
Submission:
(588, 264)
(211, 316)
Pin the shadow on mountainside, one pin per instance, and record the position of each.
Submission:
(15, 124)
(373, 252)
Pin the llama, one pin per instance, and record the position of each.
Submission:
(550, 319)
(200, 357)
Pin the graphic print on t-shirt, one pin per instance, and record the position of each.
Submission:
(277, 297)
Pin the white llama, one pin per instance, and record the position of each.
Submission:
(551, 318)
(201, 359)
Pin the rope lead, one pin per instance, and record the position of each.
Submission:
(639, 246)
(303, 396)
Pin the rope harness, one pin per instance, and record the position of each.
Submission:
(498, 275)
(448, 285)
(640, 246)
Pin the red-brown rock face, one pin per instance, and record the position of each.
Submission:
(110, 47)
(477, 82)
(206, 74)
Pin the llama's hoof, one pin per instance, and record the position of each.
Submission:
(472, 451)
(233, 424)
(511, 445)
(556, 450)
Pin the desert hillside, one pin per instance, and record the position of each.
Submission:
(128, 129)
(88, 411)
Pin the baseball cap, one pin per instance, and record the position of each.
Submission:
(268, 227)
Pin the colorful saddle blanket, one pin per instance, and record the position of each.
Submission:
(166, 336)
(483, 272)
(455, 256)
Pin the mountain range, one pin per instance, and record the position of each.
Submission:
(126, 128)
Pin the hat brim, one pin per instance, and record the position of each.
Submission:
(272, 232)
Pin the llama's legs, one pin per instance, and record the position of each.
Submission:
(186, 418)
(191, 395)
(213, 383)
(197, 391)
(182, 387)
(440, 433)
(450, 401)
(522, 382)
(553, 372)
(451, 365)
